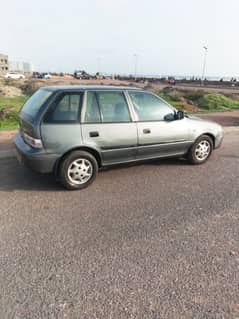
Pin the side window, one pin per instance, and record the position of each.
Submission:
(92, 113)
(113, 107)
(148, 107)
(65, 109)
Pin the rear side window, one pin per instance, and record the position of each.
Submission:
(34, 103)
(113, 107)
(106, 107)
(92, 114)
(65, 109)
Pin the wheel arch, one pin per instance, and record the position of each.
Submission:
(88, 149)
(211, 136)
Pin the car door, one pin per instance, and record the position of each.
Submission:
(108, 127)
(159, 133)
(60, 127)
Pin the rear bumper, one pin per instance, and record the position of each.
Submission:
(37, 160)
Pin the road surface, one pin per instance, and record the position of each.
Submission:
(151, 241)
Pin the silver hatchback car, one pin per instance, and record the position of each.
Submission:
(75, 130)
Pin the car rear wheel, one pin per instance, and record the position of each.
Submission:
(78, 170)
(201, 150)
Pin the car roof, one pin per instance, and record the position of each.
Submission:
(89, 87)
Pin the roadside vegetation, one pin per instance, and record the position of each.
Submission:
(13, 95)
(9, 108)
(199, 101)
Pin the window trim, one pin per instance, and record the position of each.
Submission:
(58, 96)
(100, 111)
(150, 93)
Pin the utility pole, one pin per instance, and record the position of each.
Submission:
(99, 65)
(204, 65)
(135, 66)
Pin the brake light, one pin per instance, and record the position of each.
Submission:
(33, 142)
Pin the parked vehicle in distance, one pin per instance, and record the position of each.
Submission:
(44, 75)
(14, 75)
(171, 81)
(82, 75)
(75, 130)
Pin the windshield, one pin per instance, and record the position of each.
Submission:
(33, 104)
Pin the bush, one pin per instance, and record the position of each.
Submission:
(29, 87)
(194, 95)
(9, 108)
(216, 101)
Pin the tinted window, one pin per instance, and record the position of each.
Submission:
(149, 107)
(32, 105)
(113, 107)
(92, 114)
(65, 109)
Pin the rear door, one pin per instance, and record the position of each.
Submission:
(60, 127)
(108, 127)
(157, 136)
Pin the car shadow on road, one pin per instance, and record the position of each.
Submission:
(14, 177)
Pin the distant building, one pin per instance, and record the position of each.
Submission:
(4, 66)
(21, 66)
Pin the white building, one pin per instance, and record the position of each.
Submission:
(21, 66)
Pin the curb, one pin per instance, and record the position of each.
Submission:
(11, 154)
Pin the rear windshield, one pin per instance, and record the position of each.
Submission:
(33, 104)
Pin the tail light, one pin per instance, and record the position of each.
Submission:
(33, 142)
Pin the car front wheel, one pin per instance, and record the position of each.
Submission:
(201, 150)
(78, 170)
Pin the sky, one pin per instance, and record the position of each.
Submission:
(104, 35)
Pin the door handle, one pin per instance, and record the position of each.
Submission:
(94, 134)
(146, 131)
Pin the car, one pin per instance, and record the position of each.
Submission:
(45, 75)
(73, 131)
(14, 75)
(82, 75)
(171, 81)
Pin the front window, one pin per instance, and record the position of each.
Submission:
(34, 103)
(148, 107)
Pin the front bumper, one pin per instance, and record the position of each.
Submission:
(38, 160)
(219, 139)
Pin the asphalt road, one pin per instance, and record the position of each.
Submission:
(151, 241)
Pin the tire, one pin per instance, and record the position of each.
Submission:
(201, 150)
(78, 170)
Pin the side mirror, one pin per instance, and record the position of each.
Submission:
(169, 117)
(179, 115)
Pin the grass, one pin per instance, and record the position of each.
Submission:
(182, 100)
(203, 102)
(9, 108)
(217, 102)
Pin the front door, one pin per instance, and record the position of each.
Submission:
(157, 135)
(107, 126)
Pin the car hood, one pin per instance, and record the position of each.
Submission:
(196, 118)
(208, 125)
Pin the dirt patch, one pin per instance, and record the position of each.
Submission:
(10, 91)
(6, 140)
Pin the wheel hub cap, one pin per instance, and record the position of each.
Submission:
(80, 171)
(202, 150)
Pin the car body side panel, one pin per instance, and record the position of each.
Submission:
(60, 138)
(164, 138)
(117, 142)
